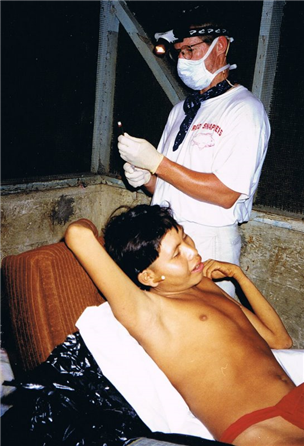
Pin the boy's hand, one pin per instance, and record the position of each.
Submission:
(214, 269)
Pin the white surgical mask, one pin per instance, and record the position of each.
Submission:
(194, 73)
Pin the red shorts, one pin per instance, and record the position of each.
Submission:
(291, 408)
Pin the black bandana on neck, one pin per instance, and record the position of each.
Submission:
(191, 106)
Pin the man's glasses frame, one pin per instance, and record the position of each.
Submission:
(186, 51)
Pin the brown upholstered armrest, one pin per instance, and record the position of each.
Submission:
(46, 290)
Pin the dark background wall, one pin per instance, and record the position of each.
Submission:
(49, 54)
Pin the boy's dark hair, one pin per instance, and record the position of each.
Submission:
(132, 238)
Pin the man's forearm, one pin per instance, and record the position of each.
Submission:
(201, 186)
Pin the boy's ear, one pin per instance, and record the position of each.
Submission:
(147, 278)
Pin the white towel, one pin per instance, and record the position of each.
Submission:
(292, 361)
(135, 375)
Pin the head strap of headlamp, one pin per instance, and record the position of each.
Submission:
(179, 34)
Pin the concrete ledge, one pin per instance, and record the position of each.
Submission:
(295, 223)
(51, 183)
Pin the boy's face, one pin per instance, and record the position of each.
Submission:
(178, 261)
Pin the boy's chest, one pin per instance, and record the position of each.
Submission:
(189, 327)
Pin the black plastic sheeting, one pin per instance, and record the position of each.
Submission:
(67, 400)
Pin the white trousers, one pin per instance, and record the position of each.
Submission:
(219, 243)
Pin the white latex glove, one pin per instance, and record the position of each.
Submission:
(139, 152)
(136, 176)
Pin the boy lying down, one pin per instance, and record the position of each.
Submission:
(214, 351)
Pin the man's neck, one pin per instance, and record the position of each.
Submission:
(219, 78)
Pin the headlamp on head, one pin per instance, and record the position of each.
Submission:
(166, 39)
(163, 42)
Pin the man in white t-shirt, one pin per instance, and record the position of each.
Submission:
(209, 159)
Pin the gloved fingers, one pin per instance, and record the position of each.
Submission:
(135, 184)
(123, 156)
(140, 179)
(139, 152)
(127, 139)
(123, 144)
(122, 147)
(134, 175)
(122, 140)
(127, 153)
(133, 138)
(128, 168)
(132, 172)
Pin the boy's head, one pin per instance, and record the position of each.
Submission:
(133, 238)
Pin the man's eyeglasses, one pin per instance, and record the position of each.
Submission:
(186, 51)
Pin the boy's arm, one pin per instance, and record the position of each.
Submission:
(125, 298)
(264, 319)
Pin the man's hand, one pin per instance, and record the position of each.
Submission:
(139, 152)
(214, 269)
(136, 176)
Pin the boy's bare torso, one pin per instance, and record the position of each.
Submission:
(209, 351)
(203, 340)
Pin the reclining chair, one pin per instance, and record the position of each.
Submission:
(45, 290)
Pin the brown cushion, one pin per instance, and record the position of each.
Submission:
(46, 290)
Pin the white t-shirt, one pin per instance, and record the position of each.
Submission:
(228, 137)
